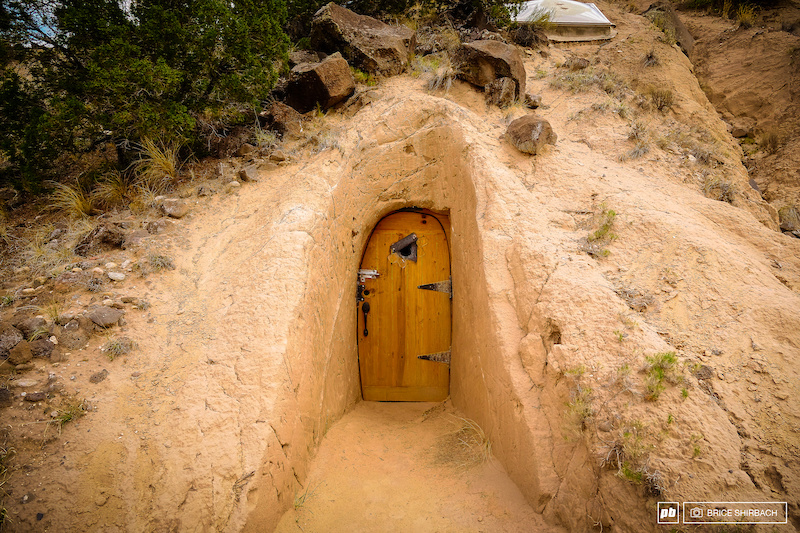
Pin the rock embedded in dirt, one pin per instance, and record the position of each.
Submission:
(116, 276)
(367, 43)
(20, 354)
(159, 226)
(174, 208)
(248, 173)
(482, 62)
(75, 335)
(35, 397)
(277, 156)
(69, 281)
(283, 120)
(532, 101)
(530, 133)
(6, 397)
(501, 92)
(104, 316)
(245, 149)
(97, 377)
(9, 337)
(104, 236)
(29, 325)
(576, 63)
(325, 83)
(41, 348)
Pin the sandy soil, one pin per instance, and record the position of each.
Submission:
(405, 467)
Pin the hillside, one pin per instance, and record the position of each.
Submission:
(243, 383)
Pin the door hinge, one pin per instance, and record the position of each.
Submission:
(439, 357)
(439, 286)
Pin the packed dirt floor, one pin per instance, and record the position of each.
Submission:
(408, 467)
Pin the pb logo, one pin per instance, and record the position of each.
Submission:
(668, 513)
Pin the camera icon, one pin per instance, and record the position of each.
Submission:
(696, 512)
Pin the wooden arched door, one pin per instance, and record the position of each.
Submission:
(404, 287)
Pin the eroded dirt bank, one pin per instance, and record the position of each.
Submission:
(250, 354)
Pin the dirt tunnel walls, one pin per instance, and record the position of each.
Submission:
(415, 156)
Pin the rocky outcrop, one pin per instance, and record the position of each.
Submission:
(530, 133)
(325, 83)
(282, 119)
(367, 43)
(483, 62)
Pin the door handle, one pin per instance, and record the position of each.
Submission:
(365, 310)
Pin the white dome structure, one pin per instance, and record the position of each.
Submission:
(569, 20)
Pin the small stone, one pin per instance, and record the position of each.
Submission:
(107, 302)
(781, 395)
(24, 383)
(99, 376)
(28, 291)
(245, 149)
(35, 397)
(98, 270)
(104, 316)
(110, 266)
(19, 354)
(116, 276)
(248, 174)
(277, 156)
(174, 208)
(605, 426)
(204, 191)
(6, 397)
(24, 367)
(530, 133)
(233, 185)
(126, 264)
(77, 269)
(42, 348)
(129, 300)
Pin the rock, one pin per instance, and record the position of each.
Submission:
(41, 348)
(99, 376)
(20, 354)
(501, 92)
(104, 236)
(277, 156)
(28, 291)
(248, 173)
(28, 326)
(367, 43)
(65, 317)
(9, 337)
(576, 63)
(24, 367)
(304, 56)
(159, 226)
(530, 133)
(74, 336)
(116, 276)
(233, 185)
(245, 149)
(325, 83)
(24, 383)
(532, 101)
(110, 266)
(283, 120)
(104, 316)
(35, 397)
(133, 300)
(482, 62)
(69, 281)
(174, 208)
(126, 264)
(6, 397)
(668, 19)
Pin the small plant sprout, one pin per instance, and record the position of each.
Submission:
(670, 419)
(684, 393)
(659, 367)
(620, 335)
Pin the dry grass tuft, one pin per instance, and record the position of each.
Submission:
(158, 165)
(114, 189)
(662, 99)
(72, 200)
(465, 447)
(770, 141)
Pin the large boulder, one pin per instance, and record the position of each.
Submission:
(367, 43)
(482, 62)
(530, 133)
(325, 83)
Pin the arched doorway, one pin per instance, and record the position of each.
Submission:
(404, 309)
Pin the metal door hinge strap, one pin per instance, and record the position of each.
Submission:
(365, 274)
(439, 286)
(439, 357)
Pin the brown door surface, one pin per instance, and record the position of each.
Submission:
(404, 321)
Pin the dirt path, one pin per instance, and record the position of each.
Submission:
(403, 467)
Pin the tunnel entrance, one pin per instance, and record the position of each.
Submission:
(404, 309)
